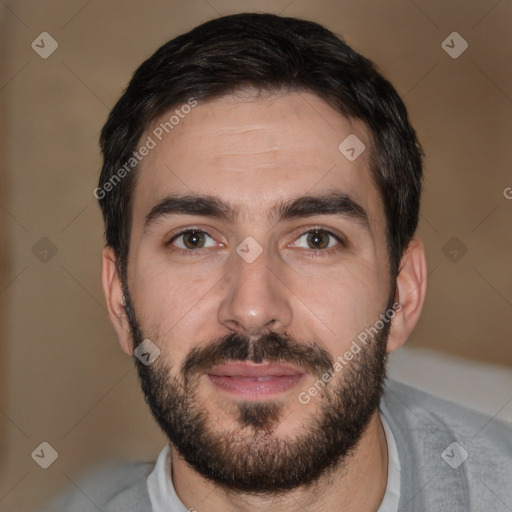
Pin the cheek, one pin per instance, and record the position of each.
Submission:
(341, 304)
(171, 289)
(175, 307)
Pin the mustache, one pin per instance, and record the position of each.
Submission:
(271, 347)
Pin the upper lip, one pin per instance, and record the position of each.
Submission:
(253, 370)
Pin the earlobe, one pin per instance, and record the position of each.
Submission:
(113, 291)
(411, 287)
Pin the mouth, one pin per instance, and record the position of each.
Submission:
(253, 381)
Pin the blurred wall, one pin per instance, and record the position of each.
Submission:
(64, 379)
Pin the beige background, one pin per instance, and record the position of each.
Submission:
(63, 378)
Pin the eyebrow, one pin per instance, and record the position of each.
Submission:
(334, 203)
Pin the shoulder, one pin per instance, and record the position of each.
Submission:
(114, 487)
(437, 412)
(447, 450)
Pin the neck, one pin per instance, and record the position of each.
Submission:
(357, 484)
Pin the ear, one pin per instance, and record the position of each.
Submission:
(113, 290)
(411, 286)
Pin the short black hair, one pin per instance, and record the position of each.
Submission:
(267, 53)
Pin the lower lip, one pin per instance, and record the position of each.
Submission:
(256, 387)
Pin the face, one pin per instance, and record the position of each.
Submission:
(257, 257)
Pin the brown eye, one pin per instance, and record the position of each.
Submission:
(321, 240)
(192, 239)
(318, 239)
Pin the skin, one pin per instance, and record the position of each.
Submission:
(256, 151)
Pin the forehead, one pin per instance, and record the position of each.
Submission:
(255, 150)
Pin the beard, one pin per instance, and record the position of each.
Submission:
(251, 458)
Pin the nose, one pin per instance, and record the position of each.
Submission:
(255, 300)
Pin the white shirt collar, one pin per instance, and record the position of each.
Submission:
(160, 487)
(392, 494)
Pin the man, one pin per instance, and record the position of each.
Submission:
(260, 191)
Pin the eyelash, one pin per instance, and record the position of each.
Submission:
(321, 253)
(184, 231)
(315, 253)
